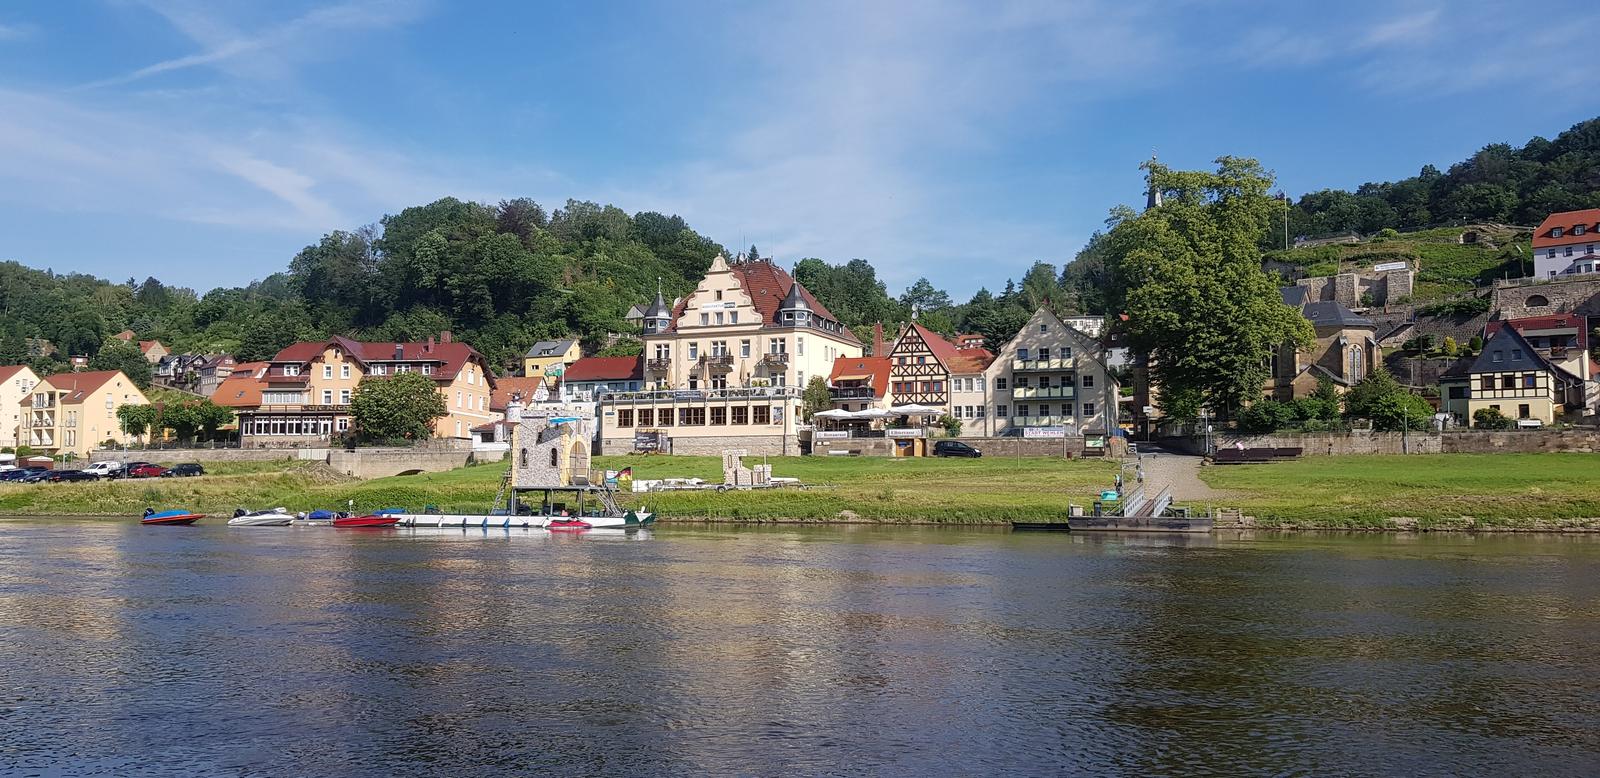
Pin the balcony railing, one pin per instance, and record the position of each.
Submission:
(658, 365)
(717, 361)
(1041, 392)
(852, 393)
(1034, 365)
(702, 395)
(1041, 421)
(776, 359)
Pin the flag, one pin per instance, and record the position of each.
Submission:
(626, 472)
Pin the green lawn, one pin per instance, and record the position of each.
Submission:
(1506, 490)
(944, 490)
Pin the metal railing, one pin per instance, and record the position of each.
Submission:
(717, 361)
(697, 395)
(778, 358)
(658, 365)
(852, 393)
(1031, 392)
(1041, 421)
(1027, 365)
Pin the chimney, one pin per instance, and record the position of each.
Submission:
(399, 350)
(429, 348)
(444, 337)
(878, 346)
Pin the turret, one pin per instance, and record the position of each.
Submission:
(658, 317)
(794, 309)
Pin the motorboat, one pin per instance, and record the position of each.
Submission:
(378, 519)
(630, 519)
(568, 524)
(274, 517)
(176, 517)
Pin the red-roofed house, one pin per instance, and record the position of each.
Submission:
(1561, 338)
(152, 350)
(75, 412)
(1567, 243)
(588, 378)
(16, 382)
(859, 384)
(305, 390)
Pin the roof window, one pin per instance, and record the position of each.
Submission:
(1578, 230)
(1555, 232)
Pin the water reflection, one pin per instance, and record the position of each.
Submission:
(858, 650)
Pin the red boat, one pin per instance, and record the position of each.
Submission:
(170, 517)
(370, 520)
(567, 524)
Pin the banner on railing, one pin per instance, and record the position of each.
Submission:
(1044, 432)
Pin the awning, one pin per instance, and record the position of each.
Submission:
(866, 377)
(915, 410)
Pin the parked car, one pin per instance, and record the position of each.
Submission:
(184, 470)
(105, 469)
(18, 474)
(146, 470)
(954, 448)
(59, 476)
(34, 475)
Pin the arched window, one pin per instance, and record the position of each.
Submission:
(1537, 301)
(553, 460)
(524, 458)
(1356, 360)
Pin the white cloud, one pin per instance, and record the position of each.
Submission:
(1410, 29)
(12, 32)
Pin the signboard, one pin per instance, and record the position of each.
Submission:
(1387, 266)
(1094, 441)
(649, 441)
(1044, 432)
(777, 414)
(830, 434)
(904, 433)
(725, 305)
(556, 369)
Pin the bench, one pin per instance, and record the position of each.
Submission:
(1254, 456)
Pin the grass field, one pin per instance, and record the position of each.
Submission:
(1500, 490)
(940, 490)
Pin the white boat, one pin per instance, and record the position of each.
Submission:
(629, 520)
(275, 517)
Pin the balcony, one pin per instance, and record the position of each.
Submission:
(1039, 365)
(1042, 392)
(1041, 421)
(658, 365)
(779, 359)
(720, 362)
(852, 393)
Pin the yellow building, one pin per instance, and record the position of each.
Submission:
(16, 382)
(305, 391)
(550, 358)
(76, 412)
(1513, 377)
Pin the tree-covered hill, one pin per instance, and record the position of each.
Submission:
(1499, 183)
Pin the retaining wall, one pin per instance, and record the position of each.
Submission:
(1453, 442)
(757, 445)
(383, 462)
(210, 454)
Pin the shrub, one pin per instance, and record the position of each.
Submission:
(951, 424)
(1450, 347)
(1388, 232)
(1491, 419)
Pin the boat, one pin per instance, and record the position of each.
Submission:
(384, 518)
(1199, 525)
(628, 520)
(1041, 526)
(568, 524)
(154, 517)
(274, 517)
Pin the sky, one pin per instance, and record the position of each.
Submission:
(206, 141)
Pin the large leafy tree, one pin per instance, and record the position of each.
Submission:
(399, 406)
(118, 354)
(815, 397)
(1189, 277)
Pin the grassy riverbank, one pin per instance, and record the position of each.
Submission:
(1437, 491)
(938, 490)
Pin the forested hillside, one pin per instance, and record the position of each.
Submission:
(1498, 184)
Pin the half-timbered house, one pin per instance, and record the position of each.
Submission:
(1513, 377)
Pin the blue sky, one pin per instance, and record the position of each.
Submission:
(205, 142)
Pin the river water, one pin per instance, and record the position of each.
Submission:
(128, 650)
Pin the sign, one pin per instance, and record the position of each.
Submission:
(1044, 432)
(905, 433)
(557, 369)
(830, 434)
(725, 305)
(649, 441)
(1094, 441)
(1387, 266)
(1149, 409)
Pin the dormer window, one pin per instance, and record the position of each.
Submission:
(1578, 230)
(1555, 232)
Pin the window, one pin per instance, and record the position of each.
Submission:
(1551, 253)
(719, 348)
(458, 398)
(1043, 328)
(694, 383)
(344, 425)
(778, 346)
(1486, 383)
(1000, 410)
(760, 414)
(719, 317)
(647, 417)
(1044, 410)
(719, 294)
(741, 415)
(1022, 410)
(980, 411)
(398, 369)
(719, 416)
(1555, 232)
(1523, 411)
(1088, 381)
(327, 396)
(1589, 249)
(800, 346)
(719, 382)
(1508, 382)
(327, 371)
(344, 396)
(1000, 384)
(625, 417)
(744, 348)
(291, 370)
(980, 383)
(705, 319)
(664, 417)
(1516, 353)
(692, 417)
(379, 370)
(733, 317)
(427, 369)
(1088, 409)
(553, 461)
(1459, 393)
(1022, 382)
(1022, 354)
(1567, 252)
(344, 370)
(1579, 229)
(1537, 301)
(1498, 356)
(1529, 381)
(694, 351)
(1044, 353)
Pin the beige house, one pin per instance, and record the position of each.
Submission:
(77, 412)
(16, 382)
(302, 396)
(725, 366)
(550, 358)
(1345, 350)
(1049, 380)
(1512, 376)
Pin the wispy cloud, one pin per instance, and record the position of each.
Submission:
(1408, 30)
(11, 32)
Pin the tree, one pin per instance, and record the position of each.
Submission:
(624, 347)
(1327, 400)
(923, 297)
(1362, 399)
(1489, 419)
(1189, 277)
(951, 424)
(400, 406)
(118, 354)
(816, 397)
(752, 254)
(1401, 410)
(136, 420)
(182, 418)
(212, 417)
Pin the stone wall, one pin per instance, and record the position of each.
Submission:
(1451, 442)
(1574, 295)
(210, 455)
(757, 445)
(1347, 288)
(991, 447)
(383, 462)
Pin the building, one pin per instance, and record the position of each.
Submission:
(152, 350)
(589, 378)
(205, 374)
(305, 390)
(74, 413)
(921, 363)
(16, 382)
(550, 357)
(860, 384)
(1344, 352)
(1566, 244)
(724, 366)
(1512, 376)
(1049, 380)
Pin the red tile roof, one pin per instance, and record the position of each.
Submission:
(79, 385)
(876, 368)
(505, 387)
(8, 371)
(605, 369)
(243, 388)
(146, 345)
(943, 349)
(767, 284)
(1566, 220)
(451, 356)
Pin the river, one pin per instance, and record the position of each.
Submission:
(128, 650)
